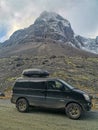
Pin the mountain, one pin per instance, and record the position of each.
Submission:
(50, 26)
(51, 44)
(88, 44)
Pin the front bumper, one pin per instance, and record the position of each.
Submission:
(87, 106)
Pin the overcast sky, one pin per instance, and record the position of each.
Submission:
(17, 14)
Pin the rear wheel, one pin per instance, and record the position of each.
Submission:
(22, 105)
(73, 110)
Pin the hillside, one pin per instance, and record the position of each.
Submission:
(75, 67)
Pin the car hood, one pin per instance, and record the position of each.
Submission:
(79, 91)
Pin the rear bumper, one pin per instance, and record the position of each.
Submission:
(13, 100)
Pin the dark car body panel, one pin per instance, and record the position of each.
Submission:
(38, 93)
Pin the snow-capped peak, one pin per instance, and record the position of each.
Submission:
(52, 17)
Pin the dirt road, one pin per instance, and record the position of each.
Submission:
(37, 119)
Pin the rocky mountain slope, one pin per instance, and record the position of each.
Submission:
(50, 26)
(88, 44)
(47, 26)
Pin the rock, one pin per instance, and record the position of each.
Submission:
(2, 94)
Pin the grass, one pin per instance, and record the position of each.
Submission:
(39, 119)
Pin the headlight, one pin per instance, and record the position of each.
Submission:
(86, 97)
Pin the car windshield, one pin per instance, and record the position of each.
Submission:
(68, 85)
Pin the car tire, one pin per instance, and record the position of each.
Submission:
(73, 111)
(22, 105)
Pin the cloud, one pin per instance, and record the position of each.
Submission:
(84, 18)
(82, 14)
(16, 15)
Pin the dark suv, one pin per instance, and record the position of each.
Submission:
(49, 93)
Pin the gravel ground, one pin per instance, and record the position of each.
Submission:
(39, 119)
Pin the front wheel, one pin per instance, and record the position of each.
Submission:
(73, 110)
(22, 105)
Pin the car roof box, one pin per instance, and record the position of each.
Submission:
(35, 73)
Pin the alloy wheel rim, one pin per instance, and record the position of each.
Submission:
(22, 106)
(74, 111)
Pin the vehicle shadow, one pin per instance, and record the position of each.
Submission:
(47, 111)
(91, 115)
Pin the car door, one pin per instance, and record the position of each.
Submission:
(55, 94)
(37, 93)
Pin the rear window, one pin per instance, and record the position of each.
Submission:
(33, 85)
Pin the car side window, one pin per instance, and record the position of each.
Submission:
(55, 85)
(30, 85)
(37, 85)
